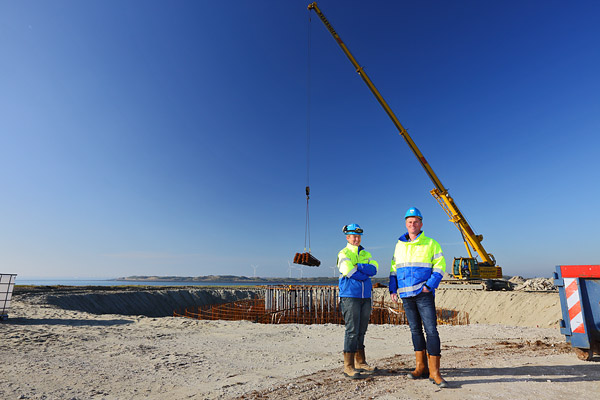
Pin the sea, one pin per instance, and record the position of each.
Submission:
(92, 282)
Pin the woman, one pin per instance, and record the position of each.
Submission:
(356, 269)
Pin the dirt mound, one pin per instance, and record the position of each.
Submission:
(516, 308)
(448, 277)
(537, 284)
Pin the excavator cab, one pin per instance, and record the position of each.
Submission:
(465, 268)
(469, 268)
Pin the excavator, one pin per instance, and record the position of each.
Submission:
(480, 274)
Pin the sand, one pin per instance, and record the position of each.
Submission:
(49, 352)
(518, 308)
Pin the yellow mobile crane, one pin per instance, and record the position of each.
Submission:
(464, 268)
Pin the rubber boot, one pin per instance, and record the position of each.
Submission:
(349, 370)
(434, 372)
(360, 363)
(421, 370)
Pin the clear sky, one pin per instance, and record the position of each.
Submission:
(169, 138)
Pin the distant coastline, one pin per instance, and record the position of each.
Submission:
(235, 279)
(222, 278)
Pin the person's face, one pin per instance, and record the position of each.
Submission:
(413, 225)
(354, 239)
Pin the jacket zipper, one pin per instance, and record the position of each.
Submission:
(362, 282)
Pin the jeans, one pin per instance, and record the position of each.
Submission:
(356, 313)
(420, 311)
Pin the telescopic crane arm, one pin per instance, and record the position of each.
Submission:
(439, 192)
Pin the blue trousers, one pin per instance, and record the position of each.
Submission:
(420, 312)
(356, 313)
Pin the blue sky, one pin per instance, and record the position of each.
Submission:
(169, 138)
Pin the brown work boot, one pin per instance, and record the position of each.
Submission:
(349, 370)
(421, 370)
(360, 363)
(434, 372)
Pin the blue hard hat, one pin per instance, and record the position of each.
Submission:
(352, 229)
(413, 212)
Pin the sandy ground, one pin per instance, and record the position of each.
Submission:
(52, 353)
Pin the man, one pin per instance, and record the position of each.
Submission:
(356, 269)
(417, 268)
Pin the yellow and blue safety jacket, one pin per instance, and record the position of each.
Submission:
(416, 264)
(356, 269)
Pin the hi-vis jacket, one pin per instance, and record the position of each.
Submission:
(415, 264)
(356, 269)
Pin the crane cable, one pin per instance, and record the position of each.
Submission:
(307, 225)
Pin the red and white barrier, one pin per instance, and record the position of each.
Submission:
(574, 305)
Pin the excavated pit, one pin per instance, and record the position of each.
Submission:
(515, 308)
(150, 301)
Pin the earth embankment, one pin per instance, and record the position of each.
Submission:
(517, 308)
(147, 301)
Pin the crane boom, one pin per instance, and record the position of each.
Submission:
(439, 192)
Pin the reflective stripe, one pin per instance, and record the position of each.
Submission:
(344, 265)
(392, 273)
(353, 270)
(421, 261)
(439, 271)
(341, 260)
(411, 288)
(414, 264)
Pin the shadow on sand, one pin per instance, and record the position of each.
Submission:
(66, 321)
(530, 373)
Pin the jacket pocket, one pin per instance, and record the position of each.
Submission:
(421, 274)
(401, 274)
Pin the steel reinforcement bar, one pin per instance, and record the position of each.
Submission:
(306, 305)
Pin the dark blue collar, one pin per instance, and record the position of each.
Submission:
(406, 238)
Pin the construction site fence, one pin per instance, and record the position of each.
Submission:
(306, 305)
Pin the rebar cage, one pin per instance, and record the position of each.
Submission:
(306, 305)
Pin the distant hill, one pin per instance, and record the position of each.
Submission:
(237, 279)
(223, 278)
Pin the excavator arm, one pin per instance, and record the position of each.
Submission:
(439, 192)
